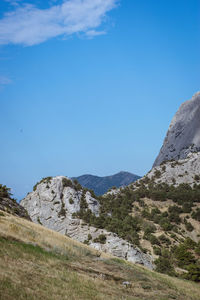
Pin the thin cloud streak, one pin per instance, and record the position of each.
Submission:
(28, 25)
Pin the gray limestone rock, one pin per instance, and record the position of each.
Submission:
(183, 136)
(53, 204)
(177, 172)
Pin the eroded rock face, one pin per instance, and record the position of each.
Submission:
(53, 204)
(183, 136)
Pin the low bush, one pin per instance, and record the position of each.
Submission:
(100, 239)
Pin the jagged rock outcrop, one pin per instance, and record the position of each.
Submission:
(183, 136)
(53, 204)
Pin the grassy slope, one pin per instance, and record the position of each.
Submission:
(37, 263)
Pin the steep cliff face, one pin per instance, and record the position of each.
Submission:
(183, 135)
(54, 203)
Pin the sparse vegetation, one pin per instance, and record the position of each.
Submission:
(67, 182)
(116, 215)
(38, 219)
(43, 180)
(100, 239)
(62, 212)
(71, 201)
(5, 191)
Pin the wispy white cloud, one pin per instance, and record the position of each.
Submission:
(29, 25)
(92, 33)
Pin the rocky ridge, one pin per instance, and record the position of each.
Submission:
(54, 203)
(177, 172)
(183, 135)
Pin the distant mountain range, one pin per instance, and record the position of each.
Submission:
(100, 185)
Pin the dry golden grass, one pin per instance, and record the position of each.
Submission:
(65, 269)
(30, 232)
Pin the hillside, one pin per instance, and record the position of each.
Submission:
(37, 263)
(100, 185)
(140, 223)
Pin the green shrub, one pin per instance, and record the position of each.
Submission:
(164, 264)
(193, 272)
(83, 203)
(197, 249)
(89, 237)
(100, 239)
(164, 239)
(197, 177)
(71, 201)
(153, 239)
(38, 220)
(157, 250)
(157, 174)
(196, 214)
(163, 168)
(67, 182)
(148, 228)
(165, 224)
(62, 212)
(183, 256)
(187, 207)
(5, 191)
(46, 180)
(188, 225)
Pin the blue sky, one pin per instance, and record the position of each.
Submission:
(91, 86)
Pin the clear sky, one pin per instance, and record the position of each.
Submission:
(90, 86)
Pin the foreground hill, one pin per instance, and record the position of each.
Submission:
(37, 263)
(100, 185)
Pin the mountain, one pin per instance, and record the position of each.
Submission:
(183, 135)
(100, 185)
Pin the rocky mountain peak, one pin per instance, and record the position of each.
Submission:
(183, 135)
